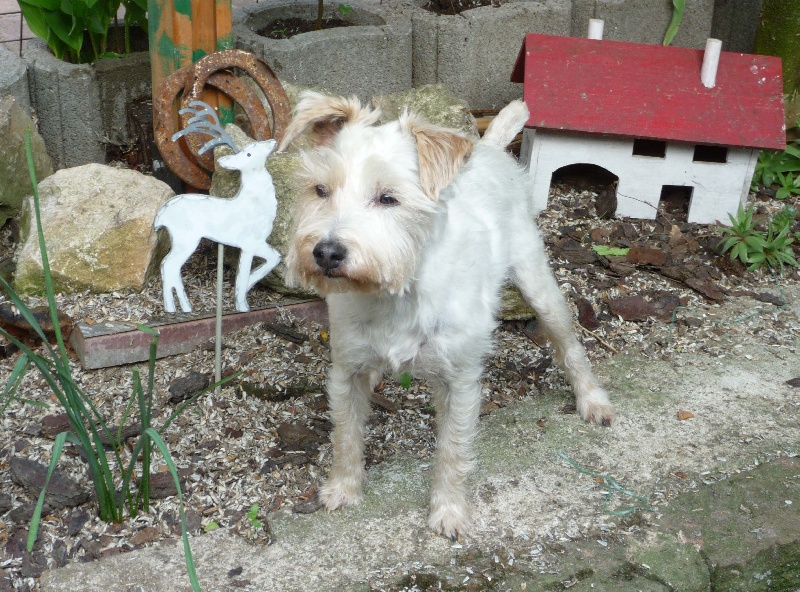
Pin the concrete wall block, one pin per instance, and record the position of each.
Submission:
(81, 107)
(735, 23)
(14, 78)
(66, 98)
(370, 58)
(473, 54)
(644, 21)
(120, 81)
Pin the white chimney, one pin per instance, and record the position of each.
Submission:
(595, 28)
(708, 72)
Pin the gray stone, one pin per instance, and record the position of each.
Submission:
(14, 78)
(644, 21)
(98, 227)
(473, 53)
(15, 180)
(62, 492)
(434, 102)
(372, 56)
(81, 107)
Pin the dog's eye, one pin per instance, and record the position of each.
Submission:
(248, 155)
(321, 190)
(387, 200)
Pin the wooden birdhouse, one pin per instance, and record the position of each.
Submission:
(655, 117)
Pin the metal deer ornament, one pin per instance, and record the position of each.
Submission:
(243, 221)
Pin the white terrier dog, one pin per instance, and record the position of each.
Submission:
(409, 231)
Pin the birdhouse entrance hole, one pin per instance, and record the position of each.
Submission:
(583, 176)
(675, 201)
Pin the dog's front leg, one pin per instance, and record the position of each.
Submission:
(348, 393)
(457, 406)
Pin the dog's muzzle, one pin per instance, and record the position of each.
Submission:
(329, 255)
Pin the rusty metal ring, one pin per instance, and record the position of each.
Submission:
(190, 81)
(260, 73)
(237, 90)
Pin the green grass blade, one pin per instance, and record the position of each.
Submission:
(677, 18)
(48, 279)
(14, 380)
(58, 446)
(27, 314)
(151, 433)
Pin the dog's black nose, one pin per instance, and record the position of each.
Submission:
(329, 254)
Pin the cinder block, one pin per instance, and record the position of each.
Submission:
(14, 78)
(473, 53)
(644, 21)
(81, 107)
(735, 24)
(371, 57)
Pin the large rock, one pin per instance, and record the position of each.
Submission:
(98, 227)
(15, 181)
(434, 102)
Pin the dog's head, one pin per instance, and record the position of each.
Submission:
(369, 194)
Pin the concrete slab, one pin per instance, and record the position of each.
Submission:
(473, 53)
(724, 486)
(371, 57)
(62, 94)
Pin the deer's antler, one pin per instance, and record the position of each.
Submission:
(199, 124)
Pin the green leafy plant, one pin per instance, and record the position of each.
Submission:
(252, 516)
(777, 251)
(344, 9)
(785, 217)
(782, 168)
(78, 30)
(113, 482)
(753, 247)
(742, 239)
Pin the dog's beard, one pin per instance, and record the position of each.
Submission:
(363, 271)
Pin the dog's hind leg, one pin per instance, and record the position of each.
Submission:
(457, 406)
(348, 393)
(532, 275)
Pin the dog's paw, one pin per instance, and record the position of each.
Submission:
(337, 493)
(596, 408)
(449, 519)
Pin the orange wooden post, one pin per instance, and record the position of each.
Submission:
(182, 32)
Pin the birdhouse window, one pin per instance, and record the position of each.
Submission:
(706, 153)
(649, 148)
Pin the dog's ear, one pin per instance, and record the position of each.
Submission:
(441, 154)
(325, 116)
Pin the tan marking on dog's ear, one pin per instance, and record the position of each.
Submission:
(441, 154)
(325, 116)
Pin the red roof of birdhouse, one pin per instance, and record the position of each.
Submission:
(650, 91)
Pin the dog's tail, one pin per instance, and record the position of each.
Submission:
(508, 123)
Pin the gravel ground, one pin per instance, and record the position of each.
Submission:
(264, 439)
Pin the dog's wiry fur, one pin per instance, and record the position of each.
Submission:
(409, 230)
